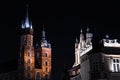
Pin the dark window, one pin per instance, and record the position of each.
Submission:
(46, 69)
(114, 67)
(28, 75)
(38, 55)
(46, 63)
(95, 66)
(38, 76)
(46, 54)
(118, 67)
(28, 67)
(46, 77)
(28, 61)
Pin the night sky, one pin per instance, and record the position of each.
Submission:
(62, 21)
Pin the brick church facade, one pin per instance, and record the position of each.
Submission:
(34, 63)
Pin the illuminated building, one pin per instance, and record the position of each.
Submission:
(95, 59)
(34, 63)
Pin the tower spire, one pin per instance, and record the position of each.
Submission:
(87, 29)
(81, 30)
(43, 34)
(81, 34)
(27, 22)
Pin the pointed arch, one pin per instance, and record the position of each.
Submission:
(38, 76)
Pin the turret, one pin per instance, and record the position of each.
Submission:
(27, 25)
(82, 40)
(44, 42)
(88, 37)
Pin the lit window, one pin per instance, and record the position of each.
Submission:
(116, 65)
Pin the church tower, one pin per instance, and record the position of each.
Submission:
(26, 56)
(43, 58)
(34, 63)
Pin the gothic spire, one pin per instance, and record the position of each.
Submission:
(81, 34)
(43, 34)
(27, 23)
(81, 31)
(87, 29)
(76, 40)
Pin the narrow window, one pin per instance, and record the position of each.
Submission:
(46, 54)
(38, 76)
(46, 63)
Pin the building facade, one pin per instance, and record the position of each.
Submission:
(34, 62)
(99, 60)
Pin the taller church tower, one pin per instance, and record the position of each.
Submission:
(26, 57)
(43, 58)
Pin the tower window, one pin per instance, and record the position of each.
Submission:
(37, 76)
(46, 54)
(46, 63)
(28, 61)
(116, 65)
(46, 69)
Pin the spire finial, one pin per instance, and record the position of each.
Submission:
(81, 30)
(76, 40)
(27, 23)
(107, 36)
(87, 29)
(43, 34)
(27, 10)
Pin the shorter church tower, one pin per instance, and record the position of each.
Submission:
(43, 58)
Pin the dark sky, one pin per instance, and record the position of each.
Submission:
(62, 21)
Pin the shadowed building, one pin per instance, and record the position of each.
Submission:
(95, 59)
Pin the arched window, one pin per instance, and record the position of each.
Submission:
(46, 63)
(46, 77)
(46, 54)
(38, 76)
